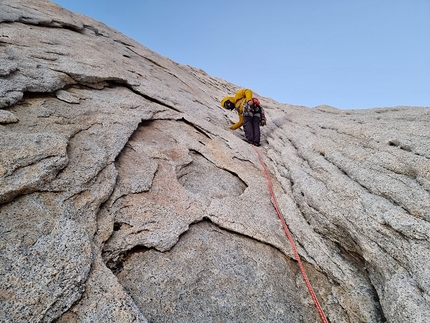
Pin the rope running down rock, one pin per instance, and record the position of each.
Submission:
(290, 238)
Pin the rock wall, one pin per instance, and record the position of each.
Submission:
(124, 197)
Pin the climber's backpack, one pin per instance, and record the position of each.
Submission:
(251, 110)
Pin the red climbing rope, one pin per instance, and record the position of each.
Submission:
(290, 238)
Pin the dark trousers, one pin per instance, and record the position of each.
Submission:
(251, 125)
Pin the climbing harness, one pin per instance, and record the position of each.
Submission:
(290, 238)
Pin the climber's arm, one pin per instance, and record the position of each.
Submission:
(243, 94)
(237, 124)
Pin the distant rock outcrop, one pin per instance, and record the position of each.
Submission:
(124, 197)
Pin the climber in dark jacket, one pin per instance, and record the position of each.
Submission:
(253, 117)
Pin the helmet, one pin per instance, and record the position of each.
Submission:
(229, 105)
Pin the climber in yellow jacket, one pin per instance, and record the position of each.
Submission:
(237, 102)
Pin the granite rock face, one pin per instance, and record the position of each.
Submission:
(124, 196)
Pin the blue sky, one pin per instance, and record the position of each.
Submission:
(350, 54)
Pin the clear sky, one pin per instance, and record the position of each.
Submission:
(350, 54)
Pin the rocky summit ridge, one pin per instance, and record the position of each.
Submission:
(124, 197)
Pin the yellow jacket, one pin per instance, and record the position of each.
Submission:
(239, 100)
